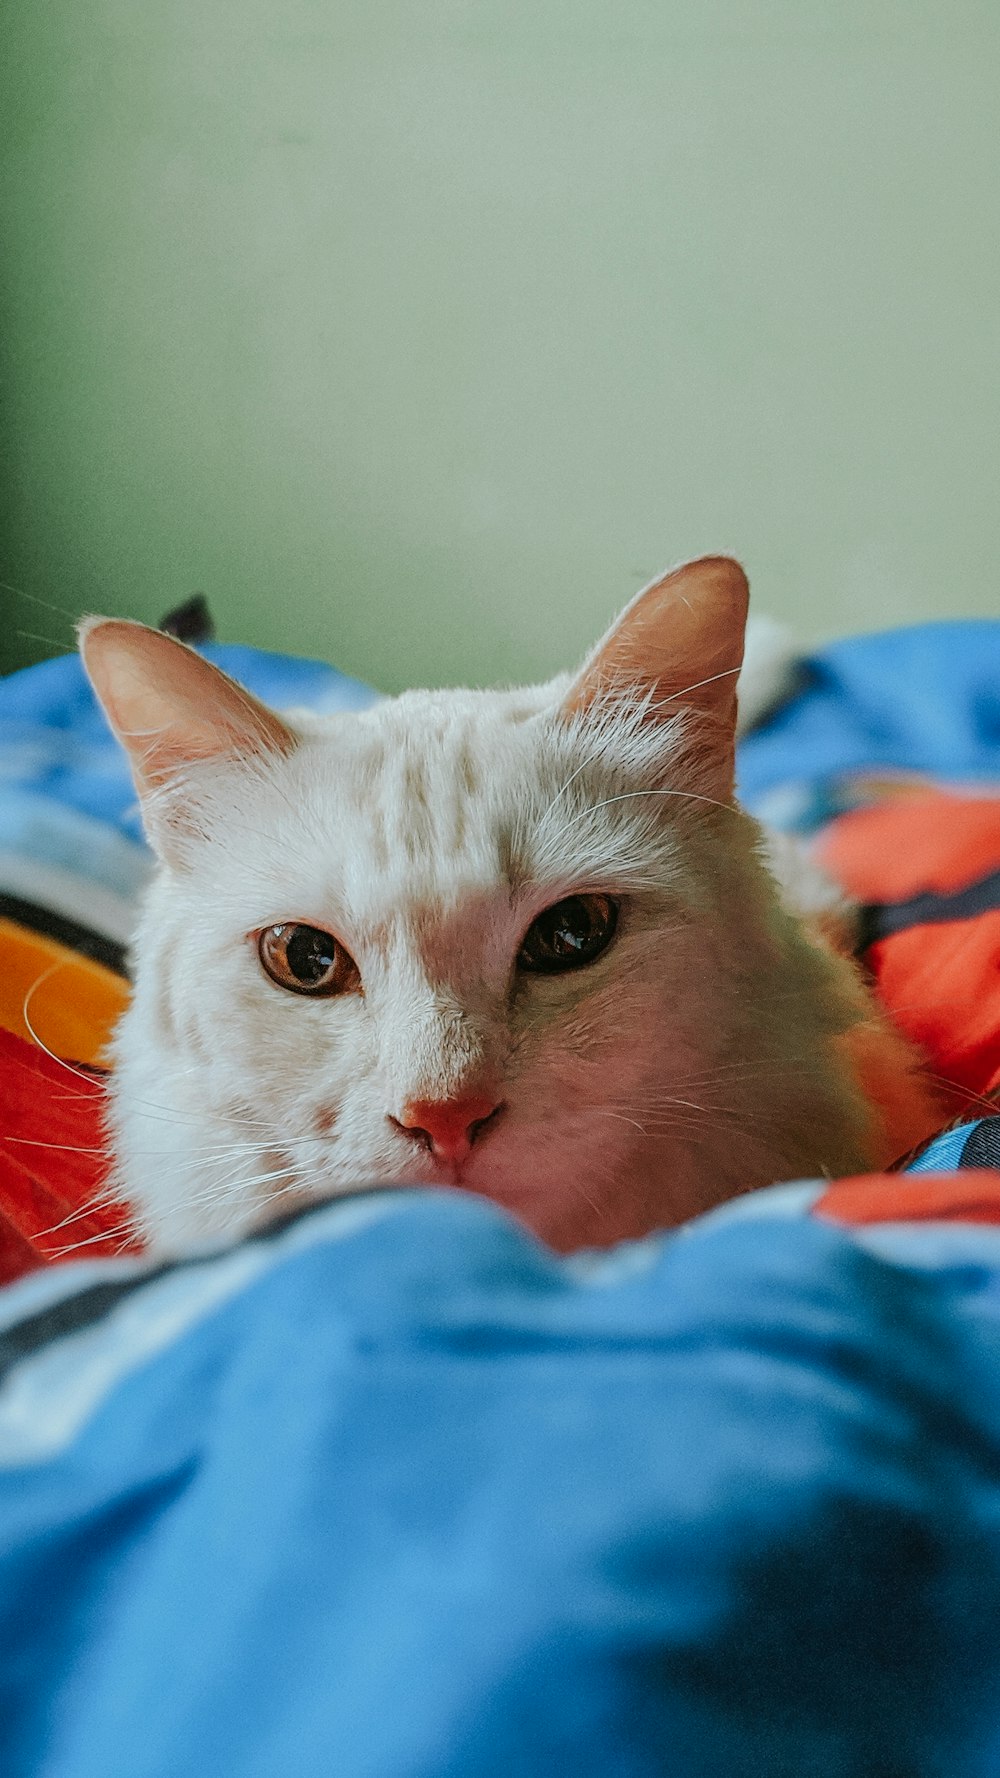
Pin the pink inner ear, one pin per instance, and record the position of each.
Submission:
(168, 706)
(681, 637)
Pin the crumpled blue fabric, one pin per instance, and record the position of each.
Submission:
(421, 1501)
(923, 699)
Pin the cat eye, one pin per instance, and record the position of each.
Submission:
(569, 934)
(307, 960)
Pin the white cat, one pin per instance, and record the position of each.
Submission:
(521, 942)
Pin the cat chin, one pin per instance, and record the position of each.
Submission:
(565, 1202)
(563, 1208)
(560, 1220)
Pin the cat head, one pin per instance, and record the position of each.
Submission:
(515, 941)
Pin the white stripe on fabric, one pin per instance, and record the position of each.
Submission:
(74, 898)
(50, 1395)
(933, 1246)
(606, 1268)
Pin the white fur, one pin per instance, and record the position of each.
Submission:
(770, 669)
(697, 1057)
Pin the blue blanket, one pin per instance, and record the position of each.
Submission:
(393, 1494)
(922, 700)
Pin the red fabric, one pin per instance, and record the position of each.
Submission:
(893, 850)
(939, 981)
(972, 1195)
(940, 985)
(53, 1164)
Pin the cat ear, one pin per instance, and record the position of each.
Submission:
(168, 707)
(679, 644)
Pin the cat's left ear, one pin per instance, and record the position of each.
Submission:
(678, 647)
(170, 708)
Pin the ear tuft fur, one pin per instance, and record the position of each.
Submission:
(677, 648)
(170, 708)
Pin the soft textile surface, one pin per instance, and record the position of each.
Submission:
(394, 1493)
(925, 700)
(54, 1201)
(927, 867)
(56, 997)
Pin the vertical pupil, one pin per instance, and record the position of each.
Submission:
(309, 953)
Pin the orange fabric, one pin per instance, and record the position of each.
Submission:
(897, 849)
(972, 1195)
(941, 986)
(72, 1002)
(939, 981)
(53, 1164)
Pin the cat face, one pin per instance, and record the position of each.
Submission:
(518, 943)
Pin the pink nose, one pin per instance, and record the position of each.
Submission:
(448, 1127)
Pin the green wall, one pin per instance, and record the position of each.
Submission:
(417, 336)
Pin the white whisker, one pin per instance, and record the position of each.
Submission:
(626, 795)
(39, 982)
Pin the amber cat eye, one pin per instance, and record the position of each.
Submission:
(569, 934)
(307, 960)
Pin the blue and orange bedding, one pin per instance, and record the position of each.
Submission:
(392, 1493)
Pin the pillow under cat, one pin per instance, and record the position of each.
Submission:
(520, 942)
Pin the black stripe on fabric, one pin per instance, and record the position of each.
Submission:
(983, 1147)
(95, 1302)
(68, 1316)
(71, 933)
(882, 919)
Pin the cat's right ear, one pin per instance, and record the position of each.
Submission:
(678, 649)
(171, 709)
